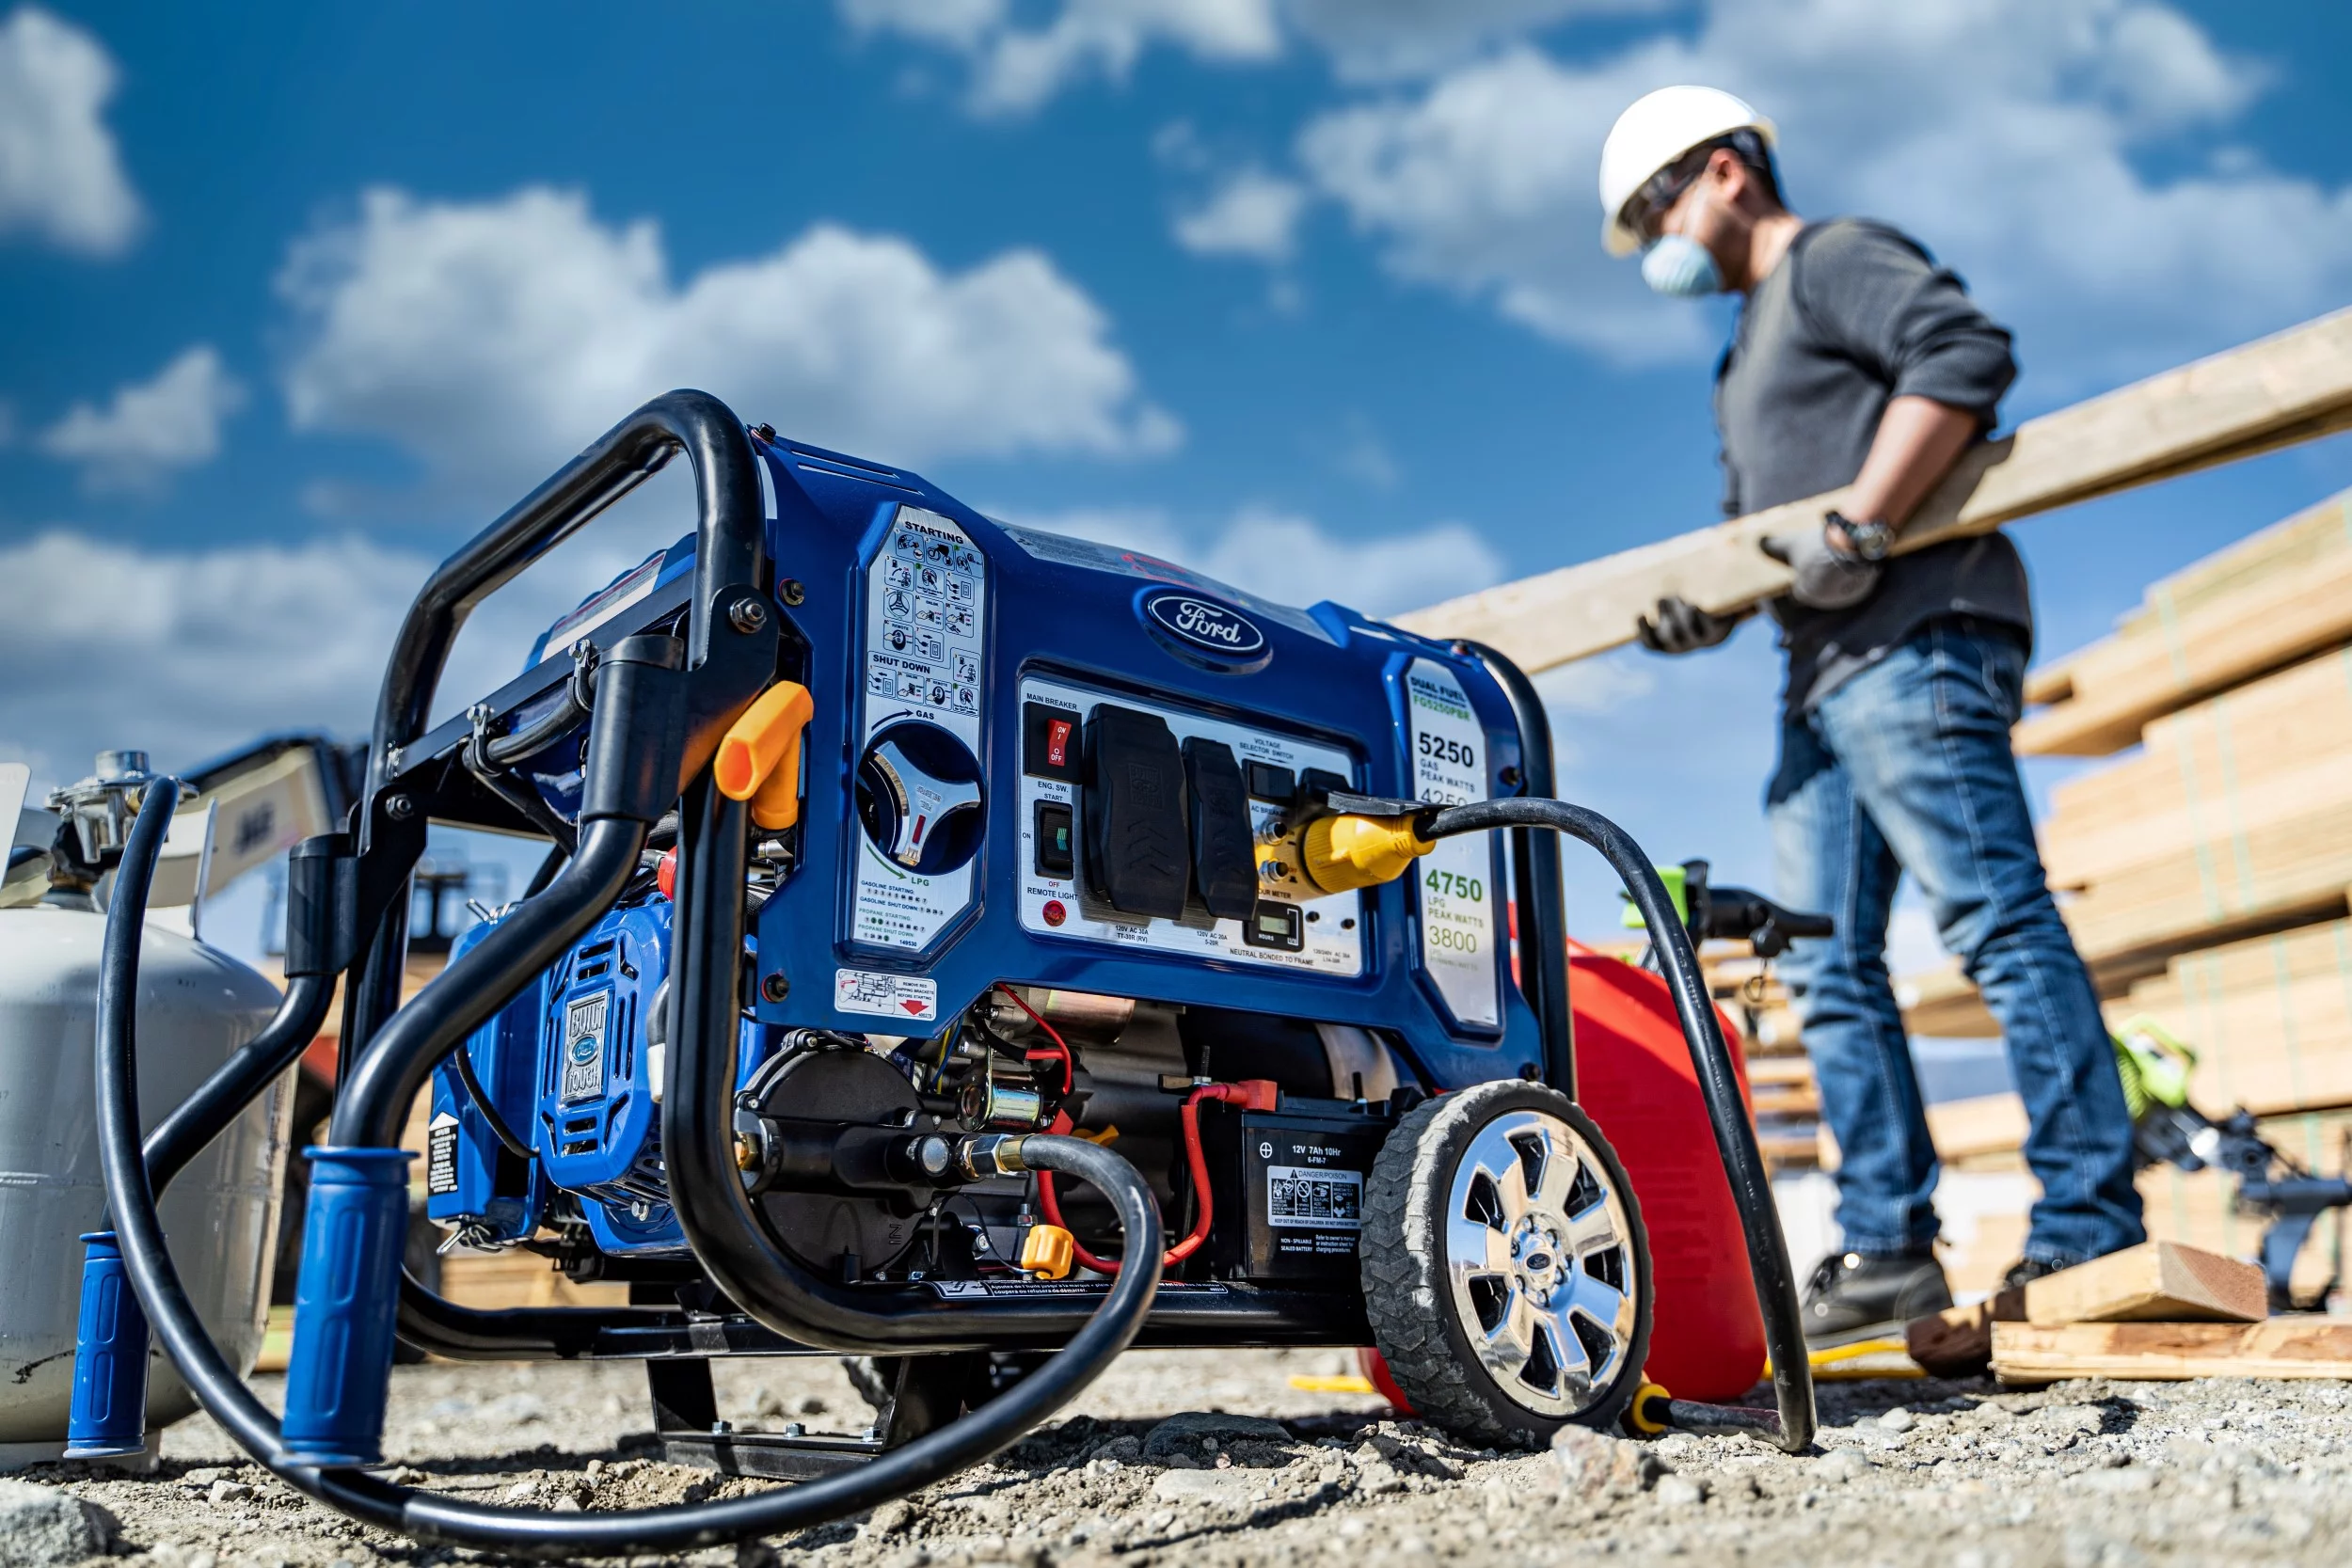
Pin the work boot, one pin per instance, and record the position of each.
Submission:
(1857, 1295)
(2026, 1270)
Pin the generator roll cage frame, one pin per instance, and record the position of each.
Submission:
(733, 647)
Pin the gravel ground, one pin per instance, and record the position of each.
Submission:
(2086, 1475)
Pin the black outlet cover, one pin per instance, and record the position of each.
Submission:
(1135, 857)
(1224, 849)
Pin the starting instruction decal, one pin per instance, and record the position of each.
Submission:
(441, 1155)
(909, 998)
(926, 619)
(1454, 888)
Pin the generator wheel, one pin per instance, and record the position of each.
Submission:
(1506, 1270)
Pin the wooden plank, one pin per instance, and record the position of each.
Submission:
(2153, 1282)
(2294, 386)
(2299, 1347)
(1982, 1124)
(1958, 1341)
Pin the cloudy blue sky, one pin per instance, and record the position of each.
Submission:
(1305, 292)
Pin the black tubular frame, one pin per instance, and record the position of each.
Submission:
(435, 1517)
(1719, 1085)
(196, 1120)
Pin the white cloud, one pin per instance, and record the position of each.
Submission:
(1253, 215)
(1375, 38)
(1294, 559)
(495, 339)
(60, 173)
(2012, 136)
(150, 429)
(1016, 67)
(186, 654)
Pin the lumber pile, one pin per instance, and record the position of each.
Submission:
(2304, 1347)
(2293, 386)
(2278, 595)
(1780, 1075)
(2271, 1019)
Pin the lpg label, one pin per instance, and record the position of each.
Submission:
(583, 1046)
(441, 1155)
(1455, 889)
(909, 998)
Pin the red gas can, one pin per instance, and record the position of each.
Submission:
(1633, 1073)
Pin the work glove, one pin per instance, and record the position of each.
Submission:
(1826, 578)
(1679, 626)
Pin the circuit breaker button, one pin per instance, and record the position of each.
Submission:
(1056, 848)
(1224, 847)
(1050, 740)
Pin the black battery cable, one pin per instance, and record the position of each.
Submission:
(443, 1520)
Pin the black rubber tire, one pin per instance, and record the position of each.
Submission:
(1402, 1262)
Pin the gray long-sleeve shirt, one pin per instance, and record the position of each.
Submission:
(1856, 315)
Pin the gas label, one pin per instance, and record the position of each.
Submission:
(583, 1046)
(909, 998)
(1314, 1197)
(1454, 886)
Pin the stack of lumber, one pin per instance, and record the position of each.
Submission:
(2234, 816)
(2277, 596)
(1780, 1075)
(2271, 1019)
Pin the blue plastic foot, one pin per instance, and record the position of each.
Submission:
(345, 1303)
(108, 1417)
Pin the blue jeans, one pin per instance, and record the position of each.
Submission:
(1907, 768)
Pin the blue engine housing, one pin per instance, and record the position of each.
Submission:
(964, 672)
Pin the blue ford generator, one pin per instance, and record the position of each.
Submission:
(966, 949)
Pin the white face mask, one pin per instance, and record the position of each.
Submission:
(1681, 267)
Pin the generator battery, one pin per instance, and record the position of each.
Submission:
(1289, 1187)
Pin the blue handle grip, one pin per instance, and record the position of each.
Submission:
(108, 1416)
(345, 1301)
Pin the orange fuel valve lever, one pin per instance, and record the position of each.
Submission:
(759, 757)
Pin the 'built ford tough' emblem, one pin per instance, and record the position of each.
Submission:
(1204, 630)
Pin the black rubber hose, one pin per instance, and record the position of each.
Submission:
(221, 1098)
(1718, 1080)
(463, 1059)
(685, 1527)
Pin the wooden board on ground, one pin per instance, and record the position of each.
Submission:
(488, 1281)
(1958, 1341)
(2289, 388)
(2153, 1282)
(2299, 1347)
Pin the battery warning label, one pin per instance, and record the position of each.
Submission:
(1318, 1198)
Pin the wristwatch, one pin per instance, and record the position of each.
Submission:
(1869, 542)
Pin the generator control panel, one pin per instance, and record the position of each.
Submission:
(1148, 825)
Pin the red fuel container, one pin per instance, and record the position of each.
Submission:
(1633, 1074)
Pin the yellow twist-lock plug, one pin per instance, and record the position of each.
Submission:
(1345, 853)
(760, 758)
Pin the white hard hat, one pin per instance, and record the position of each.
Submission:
(1657, 129)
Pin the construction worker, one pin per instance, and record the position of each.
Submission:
(1857, 362)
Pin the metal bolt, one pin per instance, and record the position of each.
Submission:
(792, 592)
(1509, 777)
(774, 987)
(400, 808)
(747, 615)
(765, 431)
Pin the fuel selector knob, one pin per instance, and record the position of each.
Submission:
(919, 797)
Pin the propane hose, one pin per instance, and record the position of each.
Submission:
(1719, 1085)
(434, 1517)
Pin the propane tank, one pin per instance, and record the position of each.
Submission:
(196, 1005)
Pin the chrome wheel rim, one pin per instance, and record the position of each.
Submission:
(1539, 1262)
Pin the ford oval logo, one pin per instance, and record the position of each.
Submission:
(1205, 627)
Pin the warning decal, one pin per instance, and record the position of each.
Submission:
(441, 1155)
(1323, 1197)
(909, 998)
(583, 1046)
